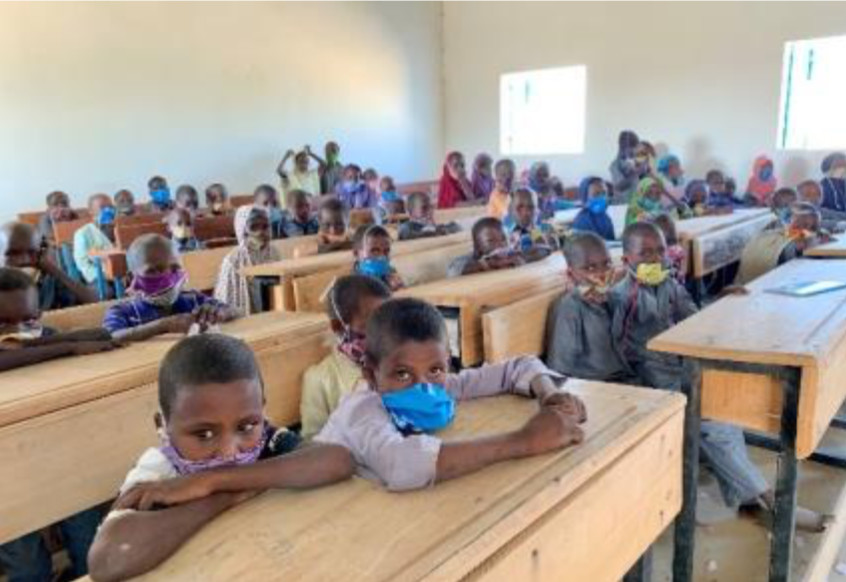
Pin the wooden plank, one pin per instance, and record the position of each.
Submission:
(716, 249)
(63, 231)
(126, 234)
(214, 227)
(484, 522)
(749, 400)
(113, 262)
(141, 218)
(695, 227)
(80, 317)
(430, 265)
(309, 291)
(430, 187)
(836, 249)
(203, 266)
(519, 328)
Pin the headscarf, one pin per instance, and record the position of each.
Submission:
(665, 163)
(482, 185)
(830, 160)
(587, 221)
(242, 216)
(636, 209)
(584, 187)
(760, 189)
(450, 192)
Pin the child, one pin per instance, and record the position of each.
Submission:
(302, 177)
(593, 217)
(180, 224)
(646, 202)
(21, 248)
(579, 342)
(696, 197)
(352, 299)
(332, 235)
(372, 252)
(482, 180)
(217, 200)
(834, 182)
(252, 227)
(125, 203)
(353, 192)
(762, 183)
(371, 182)
(833, 221)
(187, 198)
(390, 202)
(647, 302)
(298, 220)
(530, 236)
(265, 197)
(671, 173)
(159, 302)
(782, 202)
(676, 254)
(624, 173)
(387, 424)
(58, 210)
(333, 170)
(217, 450)
(94, 236)
(719, 196)
(454, 188)
(421, 219)
(500, 198)
(491, 251)
(159, 194)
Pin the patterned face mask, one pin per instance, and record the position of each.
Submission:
(160, 290)
(595, 289)
(185, 466)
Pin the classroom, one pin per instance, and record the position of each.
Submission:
(423, 290)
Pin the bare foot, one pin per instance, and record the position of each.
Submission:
(807, 520)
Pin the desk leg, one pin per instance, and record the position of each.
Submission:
(642, 570)
(684, 535)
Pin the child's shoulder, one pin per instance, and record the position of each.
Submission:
(152, 465)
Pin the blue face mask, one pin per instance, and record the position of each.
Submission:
(421, 408)
(106, 216)
(765, 174)
(390, 196)
(275, 214)
(598, 205)
(375, 267)
(160, 197)
(650, 205)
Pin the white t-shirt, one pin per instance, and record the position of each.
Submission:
(151, 466)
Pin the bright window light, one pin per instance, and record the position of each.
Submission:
(543, 112)
(812, 115)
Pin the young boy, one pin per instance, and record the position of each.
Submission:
(159, 194)
(96, 235)
(21, 248)
(500, 198)
(333, 170)
(782, 202)
(58, 210)
(719, 196)
(265, 196)
(332, 233)
(390, 202)
(647, 302)
(159, 302)
(217, 200)
(534, 239)
(421, 219)
(809, 191)
(217, 449)
(372, 253)
(351, 302)
(187, 198)
(353, 192)
(180, 225)
(302, 177)
(125, 203)
(491, 250)
(298, 220)
(387, 424)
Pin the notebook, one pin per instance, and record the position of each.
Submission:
(807, 288)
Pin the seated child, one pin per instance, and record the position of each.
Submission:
(159, 194)
(500, 199)
(578, 337)
(647, 302)
(533, 238)
(809, 191)
(646, 202)
(94, 236)
(720, 197)
(332, 233)
(696, 197)
(58, 210)
(778, 245)
(180, 225)
(297, 219)
(265, 196)
(762, 183)
(217, 200)
(371, 181)
(187, 198)
(217, 450)
(482, 179)
(21, 248)
(421, 219)
(352, 299)
(593, 217)
(782, 202)
(387, 423)
(491, 251)
(125, 203)
(676, 253)
(158, 302)
(390, 201)
(353, 192)
(372, 253)
(252, 227)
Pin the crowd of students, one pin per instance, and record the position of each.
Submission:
(376, 402)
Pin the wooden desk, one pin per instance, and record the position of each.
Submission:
(70, 429)
(584, 514)
(430, 187)
(464, 216)
(836, 249)
(771, 363)
(79, 317)
(113, 262)
(471, 295)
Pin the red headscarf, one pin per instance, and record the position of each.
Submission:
(761, 189)
(450, 192)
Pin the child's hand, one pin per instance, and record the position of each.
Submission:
(145, 496)
(549, 430)
(567, 403)
(94, 347)
(178, 323)
(395, 282)
(208, 315)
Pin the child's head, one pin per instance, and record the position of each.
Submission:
(716, 181)
(124, 201)
(352, 300)
(299, 205)
(805, 218)
(371, 242)
(156, 183)
(784, 198)
(20, 246)
(651, 190)
(834, 166)
(211, 402)
(216, 198)
(483, 165)
(420, 207)
(151, 255)
(180, 223)
(455, 165)
(668, 228)
(332, 151)
(371, 178)
(159, 191)
(252, 227)
(406, 344)
(102, 210)
(301, 161)
(670, 166)
(626, 142)
(332, 219)
(19, 311)
(187, 198)
(696, 193)
(265, 196)
(504, 171)
(352, 174)
(58, 206)
(643, 243)
(386, 184)
(810, 191)
(488, 237)
(524, 205)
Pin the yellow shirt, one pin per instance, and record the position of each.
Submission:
(498, 204)
(323, 386)
(308, 181)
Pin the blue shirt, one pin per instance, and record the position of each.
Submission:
(292, 227)
(601, 224)
(135, 311)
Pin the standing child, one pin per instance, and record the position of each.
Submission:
(217, 450)
(671, 173)
(180, 225)
(491, 251)
(125, 203)
(217, 200)
(532, 237)
(159, 194)
(94, 236)
(388, 423)
(762, 183)
(298, 220)
(352, 300)
(676, 254)
(333, 170)
(265, 197)
(421, 219)
(302, 177)
(624, 172)
(593, 217)
(499, 200)
(332, 235)
(454, 188)
(482, 180)
(58, 210)
(372, 253)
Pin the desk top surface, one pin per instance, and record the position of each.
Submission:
(834, 249)
(694, 227)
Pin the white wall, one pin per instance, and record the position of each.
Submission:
(97, 97)
(702, 78)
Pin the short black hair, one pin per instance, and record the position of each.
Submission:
(186, 189)
(264, 189)
(638, 230)
(580, 244)
(12, 279)
(294, 196)
(155, 180)
(348, 291)
(137, 251)
(218, 186)
(209, 358)
(54, 196)
(369, 230)
(482, 224)
(713, 174)
(402, 320)
(668, 226)
(332, 205)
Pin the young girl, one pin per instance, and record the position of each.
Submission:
(252, 227)
(58, 210)
(454, 187)
(302, 177)
(217, 450)
(781, 203)
(762, 183)
(217, 200)
(352, 300)
(97, 235)
(388, 423)
(180, 225)
(676, 254)
(500, 197)
(646, 202)
(482, 180)
(372, 253)
(593, 217)
(696, 197)
(332, 234)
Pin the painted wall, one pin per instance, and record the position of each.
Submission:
(97, 97)
(700, 78)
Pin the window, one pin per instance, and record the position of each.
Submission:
(813, 93)
(543, 112)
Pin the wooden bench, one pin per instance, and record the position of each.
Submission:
(517, 329)
(63, 231)
(82, 422)
(141, 218)
(214, 227)
(586, 513)
(464, 216)
(126, 234)
(241, 200)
